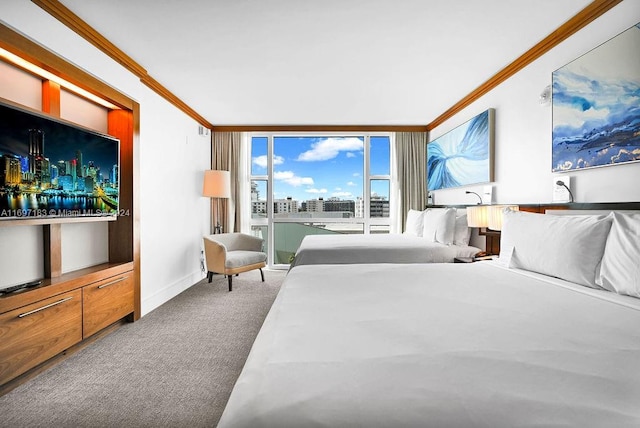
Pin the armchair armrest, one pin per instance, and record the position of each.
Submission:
(248, 242)
(215, 254)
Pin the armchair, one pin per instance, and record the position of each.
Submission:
(232, 253)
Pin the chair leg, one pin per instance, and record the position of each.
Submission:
(209, 276)
(262, 274)
(230, 280)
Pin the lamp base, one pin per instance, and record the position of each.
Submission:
(492, 240)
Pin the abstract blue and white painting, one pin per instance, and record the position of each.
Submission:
(462, 156)
(596, 106)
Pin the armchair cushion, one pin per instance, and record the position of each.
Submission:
(239, 258)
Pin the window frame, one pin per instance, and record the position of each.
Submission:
(366, 220)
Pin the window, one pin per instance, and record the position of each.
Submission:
(318, 184)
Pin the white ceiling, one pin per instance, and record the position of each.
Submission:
(297, 62)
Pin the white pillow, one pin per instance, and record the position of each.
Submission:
(414, 224)
(567, 247)
(462, 231)
(620, 270)
(439, 225)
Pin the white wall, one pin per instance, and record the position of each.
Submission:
(173, 215)
(523, 129)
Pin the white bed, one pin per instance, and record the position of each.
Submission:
(485, 344)
(387, 248)
(435, 235)
(449, 345)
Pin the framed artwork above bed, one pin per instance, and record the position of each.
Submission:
(596, 112)
(464, 155)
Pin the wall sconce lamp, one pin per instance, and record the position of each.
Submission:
(216, 185)
(561, 183)
(545, 96)
(479, 197)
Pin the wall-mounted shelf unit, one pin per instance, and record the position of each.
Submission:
(71, 308)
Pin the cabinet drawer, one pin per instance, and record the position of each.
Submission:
(34, 333)
(105, 302)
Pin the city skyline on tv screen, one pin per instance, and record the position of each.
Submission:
(48, 167)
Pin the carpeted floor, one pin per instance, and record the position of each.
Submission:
(175, 367)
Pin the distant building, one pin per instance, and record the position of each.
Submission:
(66, 183)
(54, 173)
(10, 172)
(36, 151)
(113, 176)
(62, 167)
(258, 207)
(88, 184)
(378, 207)
(316, 215)
(288, 205)
(314, 205)
(335, 204)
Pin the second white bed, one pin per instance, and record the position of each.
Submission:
(383, 248)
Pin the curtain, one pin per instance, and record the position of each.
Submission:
(410, 159)
(226, 155)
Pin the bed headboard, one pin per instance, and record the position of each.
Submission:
(583, 207)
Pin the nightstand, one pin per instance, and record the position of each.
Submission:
(463, 260)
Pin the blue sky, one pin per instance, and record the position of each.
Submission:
(312, 167)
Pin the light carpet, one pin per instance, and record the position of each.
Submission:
(175, 367)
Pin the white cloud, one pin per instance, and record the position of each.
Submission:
(576, 118)
(290, 178)
(356, 174)
(312, 190)
(351, 183)
(337, 189)
(351, 155)
(261, 161)
(342, 194)
(330, 148)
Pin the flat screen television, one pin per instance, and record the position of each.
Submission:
(51, 168)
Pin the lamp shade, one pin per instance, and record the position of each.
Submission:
(496, 214)
(217, 184)
(477, 216)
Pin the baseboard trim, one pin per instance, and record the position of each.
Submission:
(167, 293)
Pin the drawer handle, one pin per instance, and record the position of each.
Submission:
(44, 307)
(110, 283)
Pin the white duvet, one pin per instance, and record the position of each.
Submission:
(382, 248)
(438, 345)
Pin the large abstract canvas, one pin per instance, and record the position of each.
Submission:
(462, 156)
(596, 106)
